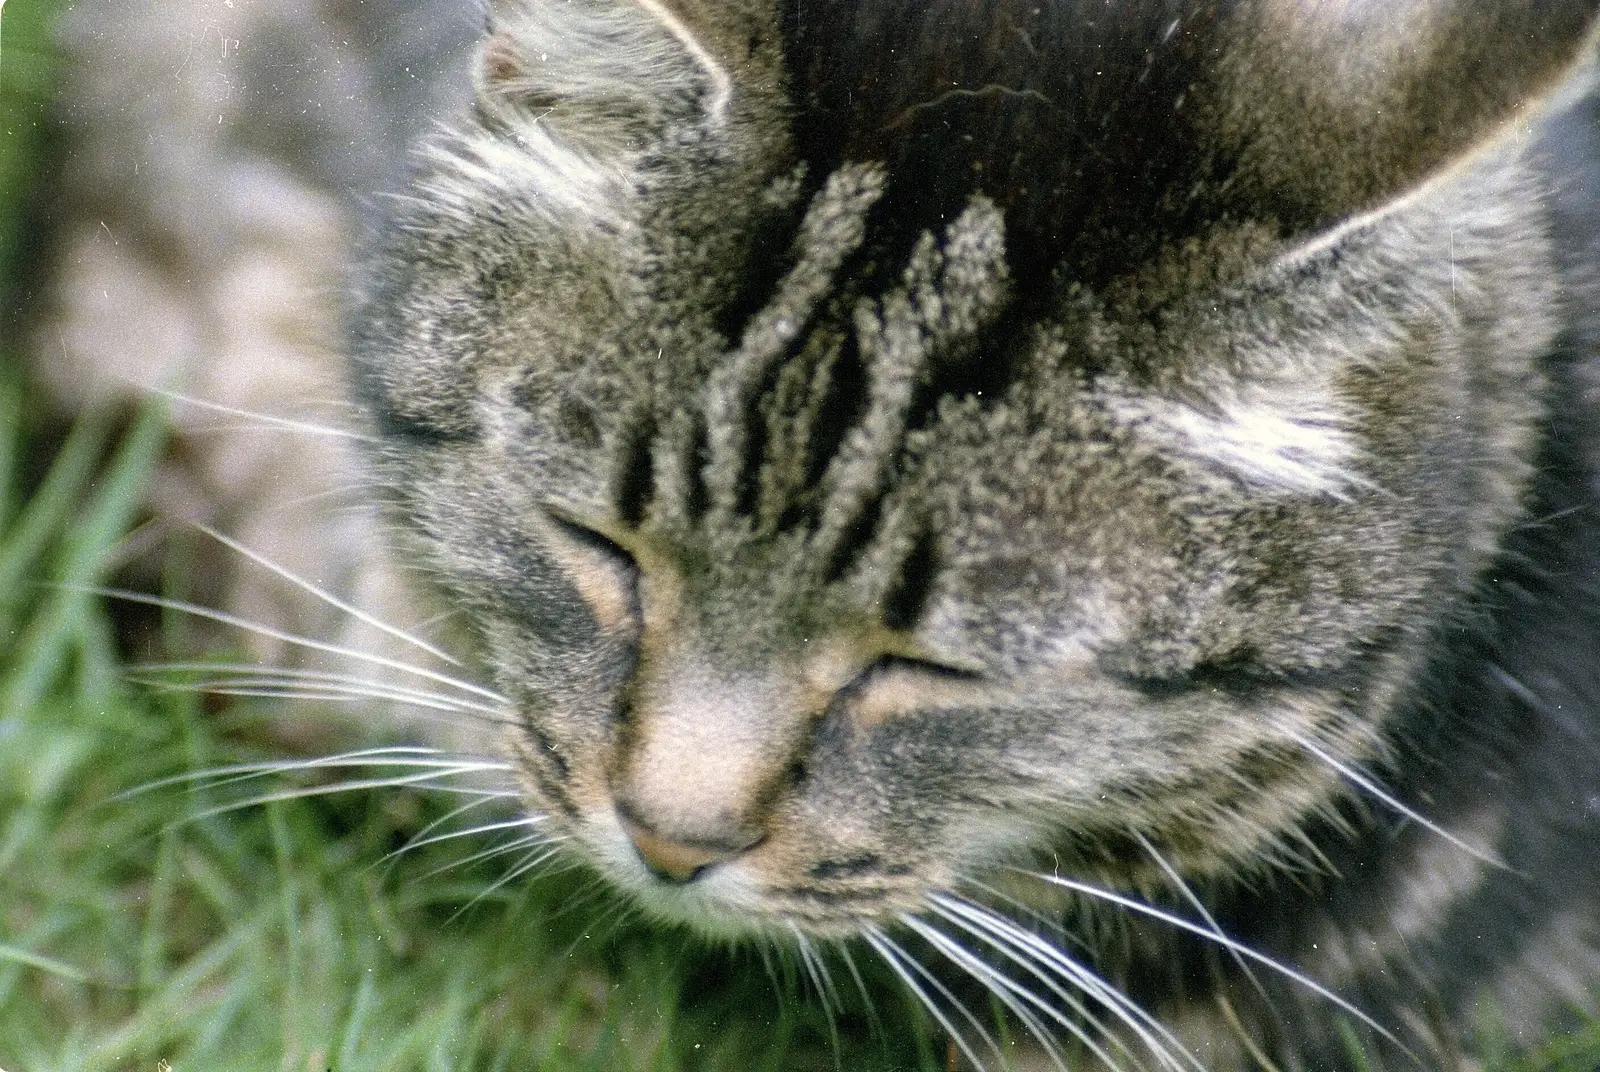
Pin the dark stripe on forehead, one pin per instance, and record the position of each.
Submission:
(1069, 113)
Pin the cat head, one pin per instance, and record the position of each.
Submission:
(873, 442)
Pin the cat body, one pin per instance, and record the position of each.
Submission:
(1093, 499)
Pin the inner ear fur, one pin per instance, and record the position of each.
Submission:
(1330, 107)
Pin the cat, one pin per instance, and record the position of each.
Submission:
(1089, 502)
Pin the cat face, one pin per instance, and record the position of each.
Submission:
(867, 461)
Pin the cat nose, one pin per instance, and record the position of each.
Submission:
(675, 861)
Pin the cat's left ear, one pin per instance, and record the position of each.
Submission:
(1331, 107)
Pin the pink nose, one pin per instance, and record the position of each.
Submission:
(676, 861)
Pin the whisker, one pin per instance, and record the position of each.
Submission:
(305, 792)
(873, 1021)
(490, 853)
(264, 418)
(899, 960)
(528, 863)
(803, 945)
(471, 831)
(616, 915)
(1223, 940)
(391, 756)
(328, 693)
(1368, 785)
(827, 977)
(1007, 990)
(225, 618)
(443, 820)
(818, 975)
(327, 597)
(593, 889)
(1047, 963)
(1052, 925)
(764, 949)
(626, 911)
(1199, 906)
(294, 674)
(345, 499)
(375, 690)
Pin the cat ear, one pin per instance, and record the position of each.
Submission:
(1107, 131)
(540, 55)
(502, 64)
(1323, 108)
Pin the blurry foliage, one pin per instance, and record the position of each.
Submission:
(27, 78)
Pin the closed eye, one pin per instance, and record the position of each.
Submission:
(1240, 676)
(912, 664)
(605, 575)
(897, 686)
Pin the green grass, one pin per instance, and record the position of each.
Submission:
(27, 76)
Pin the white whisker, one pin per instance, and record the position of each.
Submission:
(327, 597)
(866, 995)
(263, 418)
(899, 961)
(283, 693)
(1049, 964)
(289, 638)
(984, 932)
(526, 864)
(288, 674)
(471, 831)
(443, 820)
(1007, 990)
(803, 946)
(764, 950)
(1368, 785)
(400, 781)
(324, 692)
(1052, 925)
(487, 854)
(1223, 940)
(1199, 906)
(818, 974)
(617, 914)
(392, 756)
(346, 499)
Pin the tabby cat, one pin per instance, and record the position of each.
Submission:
(1091, 502)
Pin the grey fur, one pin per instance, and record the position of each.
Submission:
(1197, 555)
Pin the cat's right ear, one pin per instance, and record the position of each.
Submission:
(624, 58)
(605, 65)
(1323, 108)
